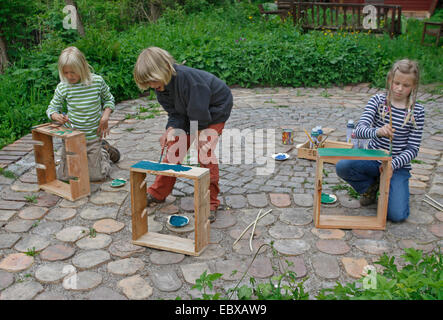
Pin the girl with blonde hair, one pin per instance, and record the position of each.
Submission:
(187, 95)
(89, 103)
(403, 138)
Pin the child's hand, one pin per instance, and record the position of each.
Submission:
(60, 118)
(103, 129)
(385, 131)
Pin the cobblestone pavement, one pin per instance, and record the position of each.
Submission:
(108, 266)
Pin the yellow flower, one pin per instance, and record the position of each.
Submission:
(250, 17)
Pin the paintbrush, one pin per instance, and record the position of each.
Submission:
(390, 124)
(161, 156)
(309, 137)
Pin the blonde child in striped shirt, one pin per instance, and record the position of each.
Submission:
(89, 103)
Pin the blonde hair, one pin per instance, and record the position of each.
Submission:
(153, 64)
(408, 67)
(74, 58)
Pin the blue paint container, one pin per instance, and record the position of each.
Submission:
(178, 221)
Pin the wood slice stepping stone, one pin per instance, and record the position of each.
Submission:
(32, 213)
(303, 200)
(236, 201)
(437, 229)
(280, 199)
(354, 266)
(47, 200)
(19, 226)
(242, 247)
(167, 281)
(215, 236)
(212, 252)
(261, 268)
(438, 216)
(8, 240)
(135, 288)
(61, 214)
(100, 241)
(24, 187)
(32, 242)
(187, 203)
(103, 197)
(373, 246)
(231, 270)
(125, 249)
(257, 200)
(333, 246)
(103, 293)
(224, 220)
(52, 273)
(5, 215)
(16, 262)
(57, 252)
(169, 209)
(296, 216)
(291, 247)
(328, 234)
(11, 205)
(326, 266)
(22, 291)
(73, 204)
(108, 226)
(6, 279)
(72, 234)
(47, 228)
(294, 264)
(348, 202)
(166, 258)
(403, 244)
(50, 296)
(192, 272)
(284, 231)
(126, 267)
(368, 234)
(90, 259)
(237, 232)
(28, 177)
(249, 215)
(96, 213)
(420, 216)
(82, 281)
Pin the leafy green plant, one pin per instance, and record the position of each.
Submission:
(32, 198)
(351, 192)
(420, 279)
(92, 232)
(31, 252)
(8, 174)
(204, 282)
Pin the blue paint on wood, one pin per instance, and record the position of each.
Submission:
(155, 166)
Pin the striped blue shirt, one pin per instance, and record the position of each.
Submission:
(407, 139)
(85, 104)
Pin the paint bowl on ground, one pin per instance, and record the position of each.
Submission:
(328, 198)
(117, 183)
(178, 221)
(280, 156)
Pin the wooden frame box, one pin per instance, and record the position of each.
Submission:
(76, 161)
(140, 234)
(306, 153)
(353, 222)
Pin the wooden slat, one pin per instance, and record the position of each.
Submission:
(59, 188)
(318, 191)
(167, 242)
(349, 222)
(194, 173)
(77, 164)
(44, 154)
(201, 207)
(138, 204)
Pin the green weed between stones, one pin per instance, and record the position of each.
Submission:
(31, 252)
(7, 174)
(31, 198)
(421, 278)
(351, 192)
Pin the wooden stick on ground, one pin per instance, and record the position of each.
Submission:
(434, 201)
(253, 230)
(244, 231)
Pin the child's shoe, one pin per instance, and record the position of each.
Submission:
(370, 196)
(114, 154)
(151, 199)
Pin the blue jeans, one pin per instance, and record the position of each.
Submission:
(361, 174)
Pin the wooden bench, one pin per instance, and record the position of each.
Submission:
(435, 32)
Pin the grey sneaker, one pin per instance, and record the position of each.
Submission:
(370, 196)
(151, 199)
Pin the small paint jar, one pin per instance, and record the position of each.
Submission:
(287, 136)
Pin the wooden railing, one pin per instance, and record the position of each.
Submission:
(336, 16)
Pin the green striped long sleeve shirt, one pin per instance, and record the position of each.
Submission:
(85, 104)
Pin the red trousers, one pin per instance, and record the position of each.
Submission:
(163, 185)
